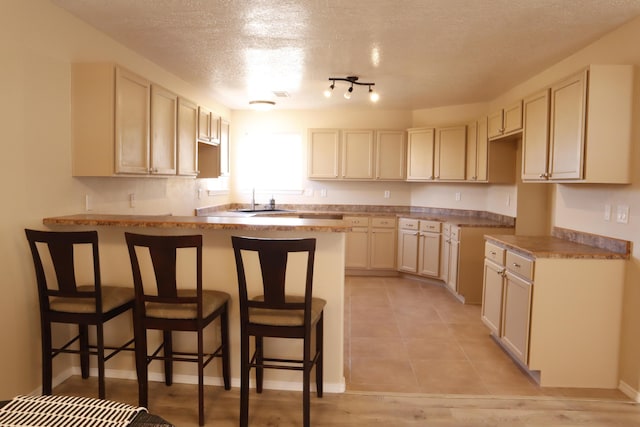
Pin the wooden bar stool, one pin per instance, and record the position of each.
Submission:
(63, 300)
(165, 306)
(276, 312)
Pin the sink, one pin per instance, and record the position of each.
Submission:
(249, 210)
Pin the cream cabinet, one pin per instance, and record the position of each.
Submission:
(558, 317)
(390, 155)
(208, 126)
(110, 108)
(450, 153)
(589, 122)
(436, 154)
(451, 254)
(164, 119)
(355, 154)
(420, 150)
(187, 137)
(371, 244)
(505, 121)
(419, 247)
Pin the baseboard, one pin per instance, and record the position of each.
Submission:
(629, 391)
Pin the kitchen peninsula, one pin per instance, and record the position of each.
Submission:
(219, 273)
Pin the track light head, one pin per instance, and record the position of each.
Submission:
(373, 96)
(347, 94)
(329, 92)
(353, 80)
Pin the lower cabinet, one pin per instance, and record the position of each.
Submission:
(419, 247)
(371, 245)
(558, 317)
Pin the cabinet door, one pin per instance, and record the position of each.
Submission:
(472, 154)
(164, 117)
(357, 154)
(517, 316)
(512, 118)
(493, 281)
(383, 249)
(187, 138)
(408, 250)
(429, 254)
(390, 155)
(420, 154)
(454, 256)
(323, 153)
(215, 130)
(494, 125)
(568, 103)
(357, 248)
(132, 123)
(482, 151)
(450, 152)
(225, 167)
(204, 124)
(535, 137)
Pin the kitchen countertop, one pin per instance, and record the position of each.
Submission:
(266, 223)
(556, 247)
(460, 221)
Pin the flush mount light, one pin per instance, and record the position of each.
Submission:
(262, 105)
(353, 80)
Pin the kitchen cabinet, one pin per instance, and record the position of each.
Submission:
(589, 122)
(489, 162)
(164, 119)
(450, 153)
(419, 247)
(420, 150)
(208, 126)
(390, 155)
(358, 153)
(355, 154)
(558, 317)
(110, 108)
(451, 251)
(505, 121)
(371, 244)
(436, 154)
(187, 138)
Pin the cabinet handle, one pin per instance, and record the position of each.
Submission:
(516, 265)
(474, 178)
(493, 252)
(431, 177)
(437, 176)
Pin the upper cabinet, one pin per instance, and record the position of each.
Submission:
(208, 126)
(506, 121)
(355, 154)
(110, 109)
(579, 129)
(436, 154)
(164, 117)
(187, 138)
(489, 161)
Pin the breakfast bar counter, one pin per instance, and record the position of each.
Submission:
(219, 274)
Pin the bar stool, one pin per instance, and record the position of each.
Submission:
(278, 313)
(165, 306)
(63, 300)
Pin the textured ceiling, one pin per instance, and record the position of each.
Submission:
(419, 53)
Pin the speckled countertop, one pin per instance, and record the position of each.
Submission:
(267, 223)
(564, 244)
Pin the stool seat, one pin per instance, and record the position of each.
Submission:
(279, 317)
(211, 301)
(112, 297)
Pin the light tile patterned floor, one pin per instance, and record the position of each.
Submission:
(408, 336)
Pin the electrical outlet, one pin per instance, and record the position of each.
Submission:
(132, 200)
(323, 192)
(623, 214)
(387, 194)
(457, 196)
(87, 203)
(607, 212)
(199, 193)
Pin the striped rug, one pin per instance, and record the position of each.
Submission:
(66, 411)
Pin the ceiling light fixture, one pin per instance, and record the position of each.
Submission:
(262, 105)
(353, 80)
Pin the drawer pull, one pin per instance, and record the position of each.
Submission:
(493, 253)
(516, 265)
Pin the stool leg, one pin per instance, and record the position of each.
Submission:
(224, 337)
(306, 380)
(83, 330)
(259, 362)
(320, 351)
(47, 362)
(140, 335)
(100, 345)
(200, 378)
(168, 353)
(244, 379)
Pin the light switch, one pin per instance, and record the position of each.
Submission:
(623, 214)
(607, 212)
(387, 194)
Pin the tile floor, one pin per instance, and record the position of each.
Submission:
(408, 336)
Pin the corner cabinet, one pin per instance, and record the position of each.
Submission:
(505, 121)
(558, 317)
(419, 247)
(436, 154)
(355, 154)
(580, 129)
(489, 162)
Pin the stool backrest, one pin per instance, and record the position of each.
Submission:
(60, 248)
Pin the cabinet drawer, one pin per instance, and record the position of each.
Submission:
(408, 224)
(520, 265)
(384, 222)
(430, 226)
(494, 253)
(357, 221)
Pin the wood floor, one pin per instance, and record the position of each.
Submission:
(397, 395)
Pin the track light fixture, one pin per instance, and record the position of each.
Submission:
(353, 80)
